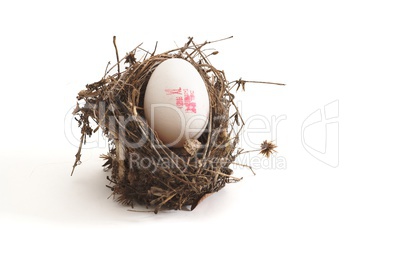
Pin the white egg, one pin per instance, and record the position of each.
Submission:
(176, 102)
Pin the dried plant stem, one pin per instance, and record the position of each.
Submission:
(260, 82)
(117, 57)
(78, 154)
(242, 165)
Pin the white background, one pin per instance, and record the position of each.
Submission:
(308, 214)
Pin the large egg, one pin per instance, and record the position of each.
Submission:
(176, 102)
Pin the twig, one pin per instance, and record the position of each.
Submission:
(156, 45)
(132, 51)
(106, 70)
(262, 82)
(78, 154)
(242, 165)
(117, 56)
(241, 82)
(223, 39)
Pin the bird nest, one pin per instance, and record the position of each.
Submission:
(143, 169)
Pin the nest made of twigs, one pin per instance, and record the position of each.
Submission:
(153, 174)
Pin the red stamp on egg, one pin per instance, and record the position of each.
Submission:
(185, 98)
